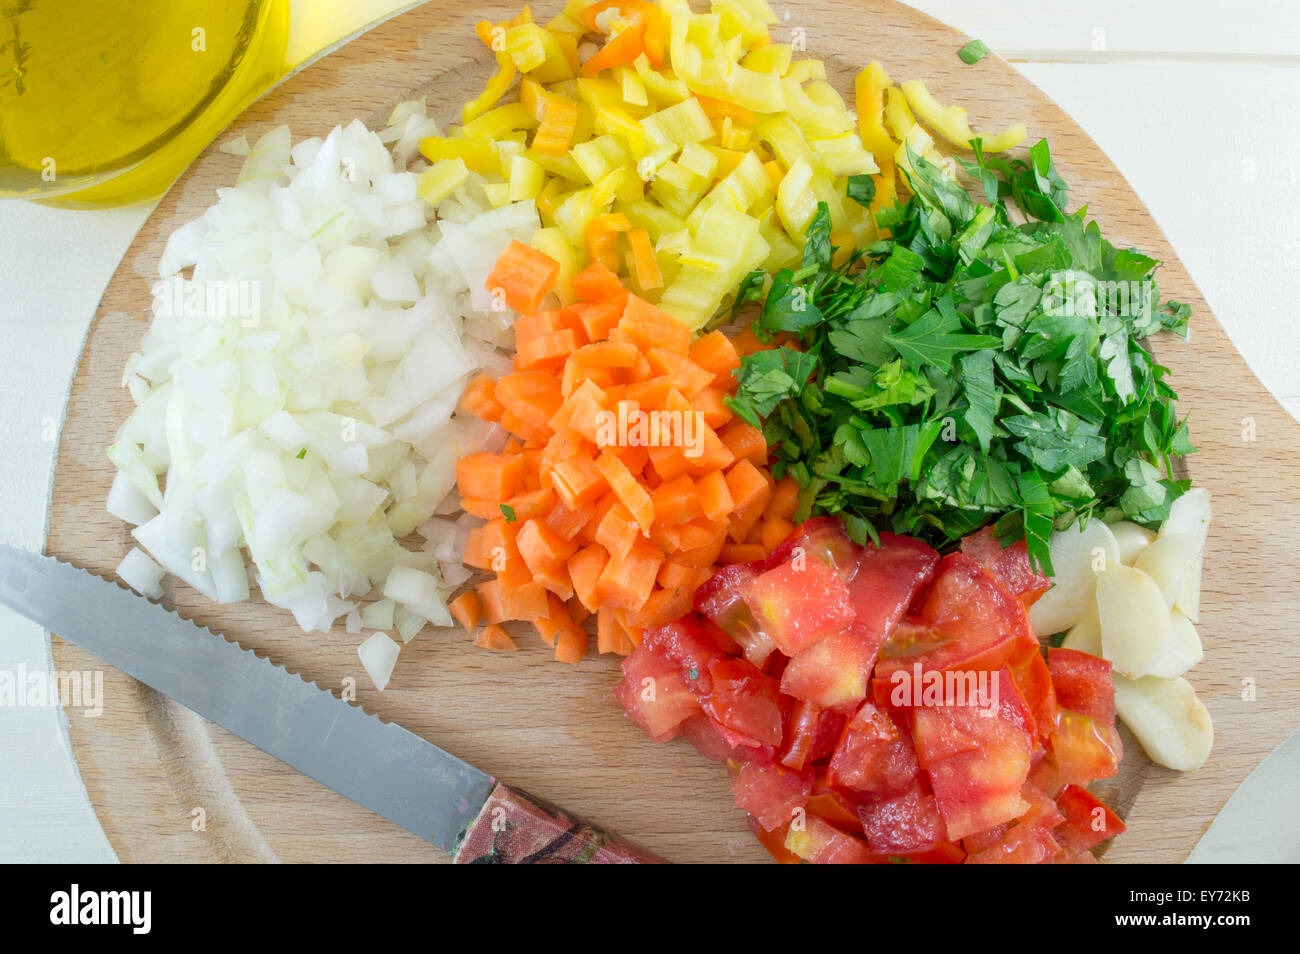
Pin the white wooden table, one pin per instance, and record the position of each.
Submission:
(1199, 107)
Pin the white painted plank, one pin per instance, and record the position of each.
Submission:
(1045, 29)
(1213, 154)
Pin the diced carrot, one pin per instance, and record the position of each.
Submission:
(524, 275)
(557, 620)
(660, 608)
(775, 530)
(607, 354)
(626, 583)
(745, 441)
(467, 609)
(576, 372)
(478, 507)
(650, 394)
(744, 520)
(581, 411)
(785, 499)
(577, 611)
(542, 549)
(712, 453)
(545, 351)
(676, 501)
(530, 398)
(618, 531)
(532, 503)
(597, 283)
(668, 462)
(628, 490)
(649, 327)
(480, 399)
(585, 568)
(528, 327)
(700, 533)
(747, 485)
(743, 552)
(526, 601)
(709, 403)
(715, 352)
(571, 646)
(664, 536)
(633, 634)
(688, 376)
(564, 521)
(714, 495)
(491, 546)
(704, 556)
(676, 576)
(747, 343)
(495, 638)
(577, 481)
(492, 477)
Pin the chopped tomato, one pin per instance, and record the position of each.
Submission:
(1083, 682)
(888, 578)
(822, 843)
(1009, 565)
(902, 824)
(770, 793)
(873, 757)
(745, 703)
(799, 602)
(1087, 820)
(1082, 749)
(655, 692)
(720, 598)
(834, 673)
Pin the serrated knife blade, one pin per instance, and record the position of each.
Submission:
(377, 764)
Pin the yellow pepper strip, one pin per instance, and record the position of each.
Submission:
(602, 238)
(950, 121)
(559, 122)
(642, 262)
(718, 108)
(869, 89)
(478, 155)
(492, 93)
(898, 115)
(886, 187)
(495, 123)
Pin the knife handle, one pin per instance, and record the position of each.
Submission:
(514, 828)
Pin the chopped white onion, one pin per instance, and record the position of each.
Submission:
(379, 655)
(141, 574)
(296, 392)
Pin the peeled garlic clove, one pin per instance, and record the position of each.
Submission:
(1131, 539)
(1182, 652)
(1168, 719)
(1085, 636)
(1191, 514)
(1171, 561)
(1134, 619)
(1077, 556)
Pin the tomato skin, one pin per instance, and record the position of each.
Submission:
(902, 824)
(1010, 566)
(834, 673)
(823, 844)
(690, 646)
(1083, 683)
(1082, 749)
(822, 539)
(1080, 811)
(800, 735)
(665, 702)
(770, 793)
(799, 603)
(744, 703)
(887, 581)
(720, 598)
(1034, 681)
(984, 624)
(874, 755)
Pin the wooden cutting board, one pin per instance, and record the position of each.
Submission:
(168, 786)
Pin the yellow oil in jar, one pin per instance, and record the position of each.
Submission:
(105, 102)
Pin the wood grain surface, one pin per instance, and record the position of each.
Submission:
(150, 765)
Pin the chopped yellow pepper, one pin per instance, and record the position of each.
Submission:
(951, 123)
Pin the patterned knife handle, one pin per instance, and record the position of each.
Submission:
(514, 828)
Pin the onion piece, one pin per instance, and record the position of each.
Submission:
(379, 656)
(141, 574)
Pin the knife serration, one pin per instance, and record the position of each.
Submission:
(377, 764)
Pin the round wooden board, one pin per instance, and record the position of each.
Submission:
(149, 765)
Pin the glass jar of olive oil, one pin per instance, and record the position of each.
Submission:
(105, 102)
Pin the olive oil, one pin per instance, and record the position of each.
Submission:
(105, 102)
